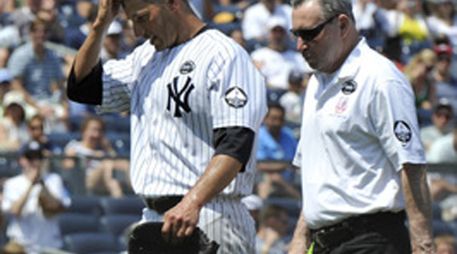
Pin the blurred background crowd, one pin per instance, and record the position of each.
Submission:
(85, 201)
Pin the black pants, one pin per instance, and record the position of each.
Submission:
(377, 238)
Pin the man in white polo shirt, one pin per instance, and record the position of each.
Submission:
(360, 154)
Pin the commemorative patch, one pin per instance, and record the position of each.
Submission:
(402, 132)
(236, 97)
(187, 67)
(349, 87)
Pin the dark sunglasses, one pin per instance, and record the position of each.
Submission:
(308, 35)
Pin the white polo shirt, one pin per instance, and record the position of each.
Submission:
(359, 127)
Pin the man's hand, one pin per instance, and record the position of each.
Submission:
(180, 221)
(107, 11)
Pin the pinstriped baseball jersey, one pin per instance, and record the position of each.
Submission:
(176, 97)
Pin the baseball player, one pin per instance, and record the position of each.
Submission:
(360, 153)
(196, 102)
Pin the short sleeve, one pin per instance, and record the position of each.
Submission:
(393, 115)
(237, 92)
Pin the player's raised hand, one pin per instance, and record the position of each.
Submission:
(180, 221)
(107, 11)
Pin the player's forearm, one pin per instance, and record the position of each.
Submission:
(89, 53)
(418, 207)
(221, 170)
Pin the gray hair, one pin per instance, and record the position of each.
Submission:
(330, 8)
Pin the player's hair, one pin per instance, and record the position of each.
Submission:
(330, 8)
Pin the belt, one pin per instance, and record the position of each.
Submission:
(163, 203)
(332, 236)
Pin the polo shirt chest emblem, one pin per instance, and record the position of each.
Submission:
(341, 105)
(349, 87)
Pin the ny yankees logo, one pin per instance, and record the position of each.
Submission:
(176, 95)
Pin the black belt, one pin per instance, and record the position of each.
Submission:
(163, 203)
(334, 235)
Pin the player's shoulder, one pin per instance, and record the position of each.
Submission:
(223, 45)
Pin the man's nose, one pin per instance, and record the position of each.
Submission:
(301, 45)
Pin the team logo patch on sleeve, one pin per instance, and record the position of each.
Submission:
(187, 67)
(402, 132)
(349, 87)
(236, 97)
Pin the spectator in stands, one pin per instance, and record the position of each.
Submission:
(35, 127)
(441, 119)
(34, 198)
(418, 71)
(412, 28)
(38, 74)
(276, 60)
(272, 230)
(442, 20)
(445, 83)
(275, 151)
(292, 100)
(254, 204)
(74, 37)
(364, 11)
(444, 149)
(5, 86)
(4, 56)
(49, 14)
(96, 153)
(256, 17)
(112, 43)
(13, 129)
(445, 244)
(25, 15)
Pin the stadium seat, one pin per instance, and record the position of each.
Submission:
(117, 223)
(91, 243)
(70, 223)
(85, 205)
(132, 205)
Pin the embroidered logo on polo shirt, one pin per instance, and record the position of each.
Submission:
(236, 97)
(402, 132)
(341, 105)
(349, 87)
(187, 67)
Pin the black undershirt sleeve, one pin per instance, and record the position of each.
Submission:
(89, 90)
(235, 142)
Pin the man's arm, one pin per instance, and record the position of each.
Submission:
(181, 220)
(233, 148)
(418, 207)
(301, 239)
(50, 204)
(89, 54)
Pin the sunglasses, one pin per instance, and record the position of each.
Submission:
(308, 35)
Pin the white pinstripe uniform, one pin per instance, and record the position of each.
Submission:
(176, 98)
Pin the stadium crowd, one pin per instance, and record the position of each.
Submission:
(86, 155)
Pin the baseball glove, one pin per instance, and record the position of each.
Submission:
(146, 238)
